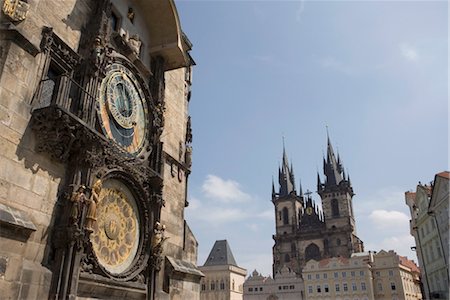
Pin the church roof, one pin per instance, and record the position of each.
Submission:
(220, 255)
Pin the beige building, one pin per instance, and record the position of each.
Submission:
(363, 276)
(95, 151)
(429, 225)
(395, 277)
(223, 279)
(339, 278)
(286, 285)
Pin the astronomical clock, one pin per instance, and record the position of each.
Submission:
(122, 108)
(98, 112)
(108, 133)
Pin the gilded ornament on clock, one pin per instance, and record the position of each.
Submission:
(122, 108)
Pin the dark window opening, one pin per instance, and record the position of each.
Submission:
(287, 258)
(50, 85)
(114, 21)
(285, 216)
(334, 208)
(312, 252)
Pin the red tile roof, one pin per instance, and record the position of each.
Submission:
(326, 261)
(408, 263)
(445, 174)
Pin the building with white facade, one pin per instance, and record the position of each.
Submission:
(363, 276)
(223, 279)
(429, 226)
(286, 285)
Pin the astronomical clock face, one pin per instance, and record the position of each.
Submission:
(122, 108)
(115, 238)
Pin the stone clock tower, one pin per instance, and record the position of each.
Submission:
(96, 151)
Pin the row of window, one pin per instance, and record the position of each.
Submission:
(337, 287)
(285, 287)
(213, 286)
(280, 287)
(378, 273)
(380, 286)
(336, 275)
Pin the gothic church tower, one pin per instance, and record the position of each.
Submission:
(337, 193)
(306, 230)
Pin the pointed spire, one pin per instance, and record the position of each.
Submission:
(273, 188)
(286, 176)
(319, 183)
(332, 168)
(301, 189)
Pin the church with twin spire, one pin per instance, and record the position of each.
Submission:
(306, 230)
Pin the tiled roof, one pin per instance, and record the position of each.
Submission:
(220, 255)
(408, 263)
(324, 262)
(444, 174)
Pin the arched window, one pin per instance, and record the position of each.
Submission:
(312, 252)
(287, 258)
(285, 216)
(338, 242)
(334, 208)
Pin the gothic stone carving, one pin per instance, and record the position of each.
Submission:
(15, 10)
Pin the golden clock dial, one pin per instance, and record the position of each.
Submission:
(309, 210)
(122, 108)
(115, 237)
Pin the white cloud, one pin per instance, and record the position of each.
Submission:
(194, 203)
(409, 52)
(400, 244)
(391, 220)
(214, 215)
(222, 190)
(388, 198)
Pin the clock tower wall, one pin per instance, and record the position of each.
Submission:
(175, 169)
(46, 153)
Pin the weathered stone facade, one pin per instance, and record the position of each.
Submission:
(56, 57)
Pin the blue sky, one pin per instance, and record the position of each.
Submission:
(375, 73)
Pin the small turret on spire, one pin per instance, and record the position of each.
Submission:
(332, 167)
(286, 176)
(273, 188)
(319, 183)
(301, 189)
